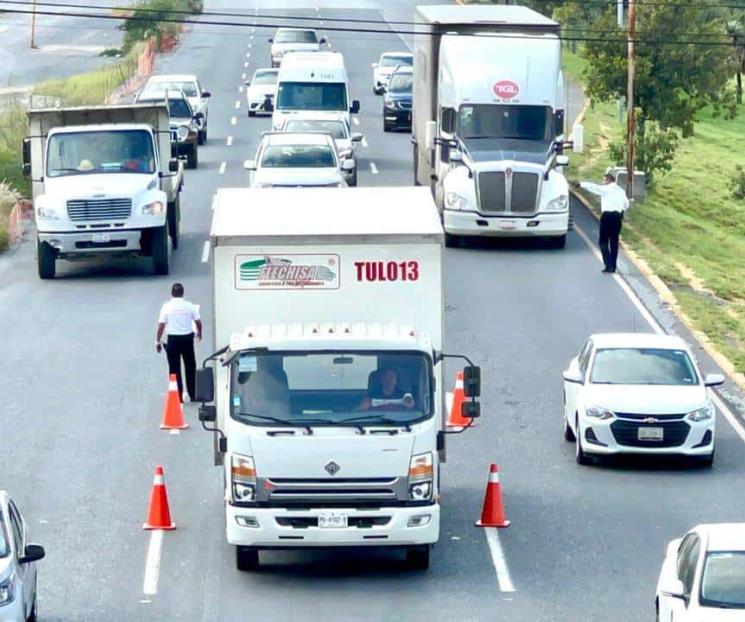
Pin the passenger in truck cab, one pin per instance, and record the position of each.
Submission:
(383, 391)
(263, 390)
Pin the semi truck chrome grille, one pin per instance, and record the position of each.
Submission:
(492, 191)
(513, 193)
(99, 209)
(332, 490)
(524, 192)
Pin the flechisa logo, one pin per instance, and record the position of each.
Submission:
(282, 269)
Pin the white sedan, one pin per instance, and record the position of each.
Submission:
(260, 90)
(286, 160)
(386, 65)
(638, 393)
(703, 576)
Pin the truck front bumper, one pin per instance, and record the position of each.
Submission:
(458, 222)
(394, 526)
(94, 242)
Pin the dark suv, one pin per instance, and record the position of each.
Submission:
(397, 100)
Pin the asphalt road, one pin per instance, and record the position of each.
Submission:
(83, 391)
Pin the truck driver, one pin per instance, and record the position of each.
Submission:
(384, 391)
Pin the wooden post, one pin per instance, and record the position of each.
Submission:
(33, 27)
(630, 115)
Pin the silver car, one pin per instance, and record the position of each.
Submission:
(294, 40)
(17, 565)
(192, 89)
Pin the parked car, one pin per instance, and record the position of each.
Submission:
(703, 576)
(397, 100)
(18, 601)
(261, 91)
(638, 393)
(386, 65)
(297, 160)
(335, 125)
(184, 123)
(293, 40)
(190, 86)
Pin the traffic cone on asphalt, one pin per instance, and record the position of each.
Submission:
(158, 515)
(173, 412)
(455, 417)
(492, 515)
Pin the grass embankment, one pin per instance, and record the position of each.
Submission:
(12, 131)
(690, 229)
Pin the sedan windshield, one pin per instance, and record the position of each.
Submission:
(400, 83)
(265, 77)
(312, 96)
(78, 153)
(298, 156)
(394, 61)
(723, 580)
(500, 121)
(329, 388)
(337, 129)
(296, 36)
(651, 366)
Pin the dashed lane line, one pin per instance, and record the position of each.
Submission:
(243, 76)
(206, 251)
(152, 563)
(237, 104)
(364, 142)
(223, 166)
(373, 168)
(499, 560)
(245, 65)
(233, 121)
(229, 141)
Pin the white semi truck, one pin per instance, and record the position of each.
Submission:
(328, 387)
(103, 182)
(488, 120)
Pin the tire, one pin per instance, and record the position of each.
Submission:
(452, 241)
(558, 242)
(160, 250)
(579, 454)
(353, 180)
(417, 557)
(246, 558)
(386, 127)
(251, 113)
(174, 221)
(568, 433)
(705, 462)
(192, 158)
(46, 260)
(201, 137)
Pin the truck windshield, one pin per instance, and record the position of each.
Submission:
(296, 36)
(312, 96)
(330, 388)
(501, 121)
(114, 151)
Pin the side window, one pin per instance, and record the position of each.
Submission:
(16, 527)
(584, 357)
(683, 549)
(690, 561)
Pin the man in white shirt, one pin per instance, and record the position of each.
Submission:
(179, 318)
(613, 203)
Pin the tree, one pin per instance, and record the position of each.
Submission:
(736, 31)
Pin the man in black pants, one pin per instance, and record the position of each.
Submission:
(179, 318)
(613, 203)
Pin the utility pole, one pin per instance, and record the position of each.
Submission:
(33, 27)
(619, 100)
(630, 116)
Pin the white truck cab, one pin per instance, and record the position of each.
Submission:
(328, 386)
(312, 82)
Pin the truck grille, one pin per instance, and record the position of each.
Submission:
(99, 209)
(627, 433)
(524, 192)
(319, 492)
(516, 194)
(492, 191)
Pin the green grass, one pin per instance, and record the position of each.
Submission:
(690, 229)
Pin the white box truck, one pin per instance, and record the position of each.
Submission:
(488, 120)
(328, 386)
(103, 182)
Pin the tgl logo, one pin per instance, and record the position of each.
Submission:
(506, 89)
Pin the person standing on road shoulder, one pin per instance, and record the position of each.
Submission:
(179, 318)
(613, 203)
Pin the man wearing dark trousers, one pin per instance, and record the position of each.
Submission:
(179, 318)
(613, 203)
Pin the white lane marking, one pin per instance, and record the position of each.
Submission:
(243, 76)
(373, 168)
(206, 251)
(229, 141)
(174, 431)
(223, 166)
(499, 560)
(233, 121)
(731, 417)
(364, 142)
(355, 120)
(240, 89)
(248, 54)
(245, 65)
(448, 400)
(237, 104)
(152, 563)
(249, 45)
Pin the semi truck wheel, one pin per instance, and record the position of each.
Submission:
(558, 241)
(160, 250)
(246, 558)
(174, 221)
(46, 260)
(417, 557)
(192, 159)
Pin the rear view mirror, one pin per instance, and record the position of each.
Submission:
(714, 380)
(355, 106)
(26, 157)
(356, 137)
(205, 386)
(32, 553)
(573, 376)
(322, 41)
(456, 156)
(199, 116)
(562, 160)
(173, 166)
(250, 165)
(347, 165)
(472, 381)
(374, 65)
(206, 94)
(470, 410)
(270, 39)
(447, 123)
(674, 588)
(207, 414)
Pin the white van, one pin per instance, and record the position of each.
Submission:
(312, 82)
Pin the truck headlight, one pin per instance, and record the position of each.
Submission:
(156, 207)
(8, 590)
(455, 201)
(598, 412)
(47, 212)
(559, 204)
(702, 414)
(182, 133)
(421, 472)
(243, 478)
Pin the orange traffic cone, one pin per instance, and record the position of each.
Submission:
(455, 417)
(493, 513)
(158, 515)
(173, 413)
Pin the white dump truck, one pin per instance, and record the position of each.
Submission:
(488, 120)
(327, 395)
(103, 182)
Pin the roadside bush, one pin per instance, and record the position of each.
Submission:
(654, 149)
(157, 19)
(737, 183)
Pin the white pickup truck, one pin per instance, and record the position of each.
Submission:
(329, 393)
(103, 182)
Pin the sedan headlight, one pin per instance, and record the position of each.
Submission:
(182, 133)
(421, 472)
(702, 414)
(8, 590)
(455, 201)
(598, 412)
(559, 204)
(243, 478)
(47, 212)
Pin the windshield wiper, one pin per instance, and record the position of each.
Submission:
(373, 418)
(288, 422)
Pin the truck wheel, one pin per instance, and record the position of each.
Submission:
(246, 558)
(353, 180)
(417, 557)
(192, 159)
(416, 165)
(386, 127)
(452, 241)
(174, 221)
(201, 137)
(558, 242)
(46, 260)
(251, 113)
(160, 250)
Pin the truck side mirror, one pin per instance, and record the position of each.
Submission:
(32, 553)
(447, 121)
(430, 132)
(199, 116)
(270, 39)
(561, 160)
(456, 156)
(471, 410)
(472, 381)
(268, 104)
(26, 157)
(207, 414)
(205, 386)
(558, 123)
(173, 166)
(355, 106)
(322, 41)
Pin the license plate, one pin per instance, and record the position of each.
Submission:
(332, 520)
(101, 238)
(651, 434)
(507, 224)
